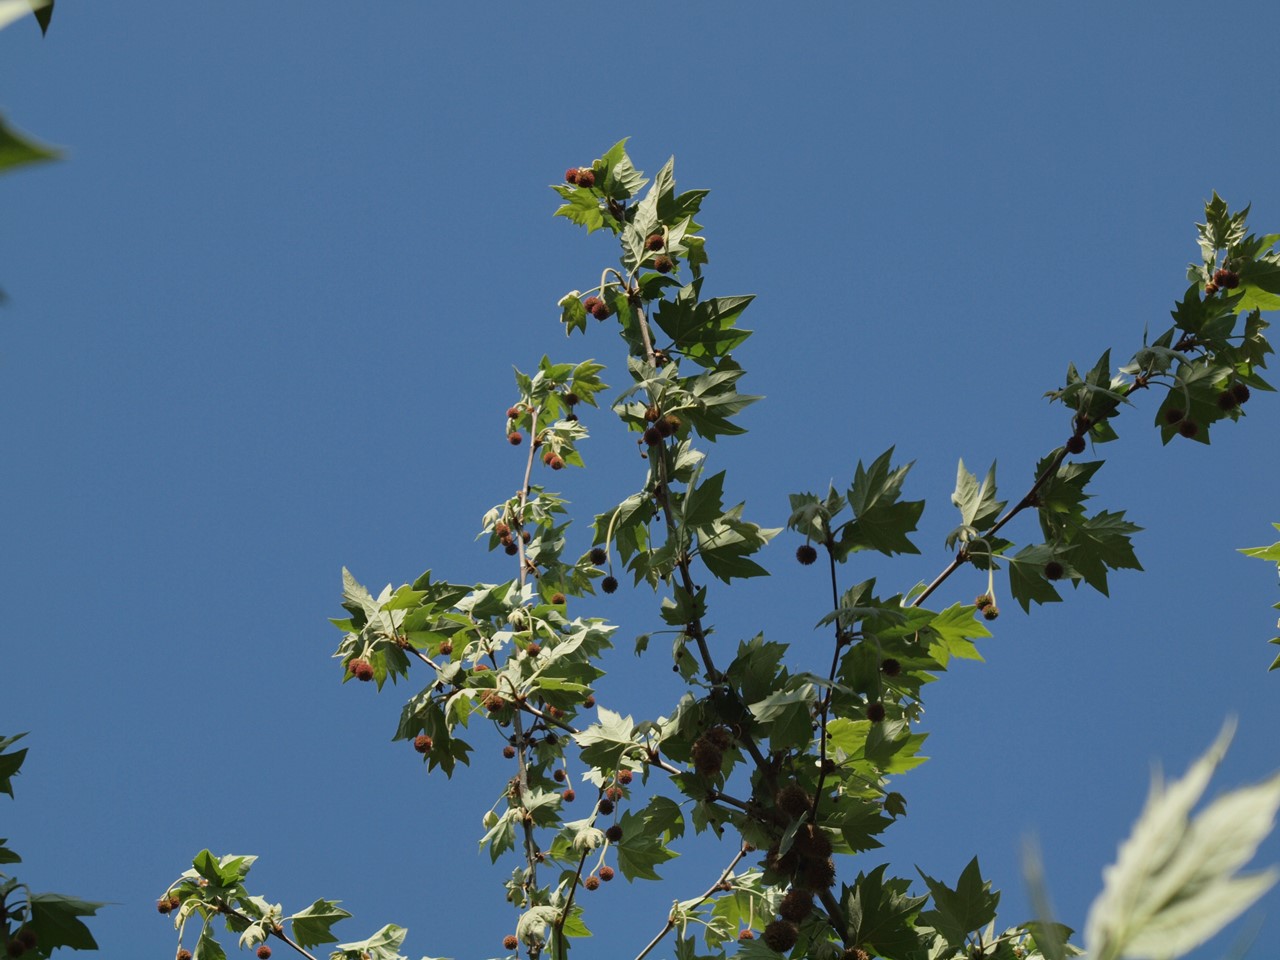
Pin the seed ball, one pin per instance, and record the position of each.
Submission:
(653, 436)
(1227, 400)
(422, 743)
(607, 874)
(796, 905)
(591, 303)
(480, 667)
(514, 438)
(856, 953)
(501, 529)
(511, 549)
(559, 776)
(361, 669)
(806, 554)
(592, 882)
(586, 177)
(663, 264)
(982, 601)
(890, 667)
(875, 711)
(1210, 288)
(557, 598)
(601, 310)
(605, 806)
(1188, 428)
(524, 536)
(510, 942)
(570, 176)
(990, 612)
(1053, 570)
(781, 935)
(1174, 415)
(590, 701)
(568, 795)
(745, 935)
(652, 413)
(664, 428)
(264, 952)
(1240, 392)
(609, 584)
(654, 242)
(183, 954)
(624, 776)
(614, 833)
(721, 737)
(793, 800)
(1075, 444)
(598, 555)
(707, 757)
(509, 752)
(513, 412)
(446, 648)
(163, 905)
(556, 463)
(1227, 279)
(818, 874)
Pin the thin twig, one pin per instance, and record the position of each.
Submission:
(671, 923)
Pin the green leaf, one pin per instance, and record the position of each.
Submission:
(43, 10)
(57, 924)
(1026, 576)
(605, 742)
(1102, 543)
(10, 762)
(881, 914)
(881, 522)
(959, 912)
(208, 948)
(312, 925)
(644, 838)
(17, 149)
(1176, 880)
(383, 945)
(977, 504)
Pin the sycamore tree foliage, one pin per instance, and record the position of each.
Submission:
(796, 772)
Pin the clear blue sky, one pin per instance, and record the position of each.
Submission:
(261, 325)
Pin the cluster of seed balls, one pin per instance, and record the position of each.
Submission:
(1233, 396)
(1222, 280)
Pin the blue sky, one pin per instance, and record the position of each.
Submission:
(262, 321)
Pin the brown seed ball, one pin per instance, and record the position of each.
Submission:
(614, 833)
(1053, 570)
(559, 776)
(796, 905)
(1240, 392)
(663, 264)
(991, 612)
(524, 536)
(500, 529)
(509, 752)
(480, 667)
(1075, 444)
(806, 554)
(664, 429)
(1227, 400)
(811, 842)
(794, 800)
(1174, 415)
(624, 776)
(556, 463)
(654, 242)
(652, 414)
(721, 737)
(606, 873)
(590, 701)
(745, 935)
(586, 177)
(781, 935)
(446, 648)
(592, 882)
(601, 311)
(609, 584)
(163, 905)
(1188, 428)
(875, 711)
(557, 598)
(361, 670)
(511, 549)
(707, 757)
(856, 953)
(1210, 288)
(818, 874)
(515, 438)
(513, 412)
(422, 743)
(598, 555)
(568, 795)
(652, 436)
(264, 952)
(890, 667)
(510, 942)
(1226, 279)
(183, 954)
(983, 600)
(591, 303)
(605, 806)
(570, 176)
